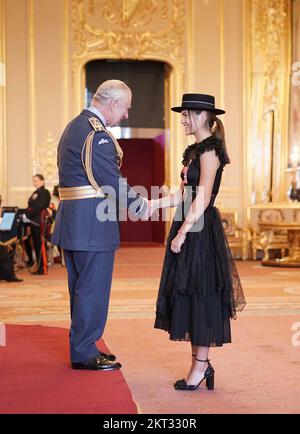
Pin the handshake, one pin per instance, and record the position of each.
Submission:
(152, 207)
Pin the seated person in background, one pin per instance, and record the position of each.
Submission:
(37, 202)
(7, 271)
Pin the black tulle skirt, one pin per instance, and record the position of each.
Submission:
(200, 290)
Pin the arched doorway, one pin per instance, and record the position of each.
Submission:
(142, 136)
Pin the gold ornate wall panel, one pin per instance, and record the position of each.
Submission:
(294, 133)
(129, 29)
(136, 30)
(3, 185)
(230, 97)
(45, 159)
(267, 56)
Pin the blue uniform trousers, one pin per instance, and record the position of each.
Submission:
(89, 279)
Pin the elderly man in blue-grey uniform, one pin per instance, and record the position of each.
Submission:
(91, 189)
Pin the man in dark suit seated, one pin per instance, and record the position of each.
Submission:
(91, 188)
(7, 271)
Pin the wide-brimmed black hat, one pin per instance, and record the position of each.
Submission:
(198, 101)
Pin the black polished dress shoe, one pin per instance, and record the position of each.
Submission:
(110, 357)
(98, 363)
(15, 279)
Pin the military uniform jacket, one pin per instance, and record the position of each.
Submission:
(76, 225)
(38, 201)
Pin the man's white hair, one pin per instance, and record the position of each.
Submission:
(110, 90)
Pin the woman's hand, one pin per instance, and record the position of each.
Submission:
(153, 205)
(177, 242)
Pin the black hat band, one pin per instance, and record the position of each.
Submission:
(198, 102)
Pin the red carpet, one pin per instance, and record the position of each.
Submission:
(35, 377)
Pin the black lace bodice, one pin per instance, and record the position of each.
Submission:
(196, 149)
(191, 160)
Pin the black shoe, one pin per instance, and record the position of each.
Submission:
(209, 376)
(29, 264)
(110, 357)
(15, 279)
(96, 364)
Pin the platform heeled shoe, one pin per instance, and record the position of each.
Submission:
(209, 376)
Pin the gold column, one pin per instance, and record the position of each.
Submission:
(222, 55)
(267, 60)
(65, 62)
(191, 55)
(32, 100)
(3, 186)
(247, 148)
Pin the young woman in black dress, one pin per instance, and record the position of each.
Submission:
(200, 289)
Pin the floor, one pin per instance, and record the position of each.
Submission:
(258, 373)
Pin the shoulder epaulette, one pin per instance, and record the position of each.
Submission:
(87, 149)
(96, 124)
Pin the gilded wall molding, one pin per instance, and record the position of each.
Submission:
(135, 30)
(45, 159)
(3, 155)
(270, 31)
(294, 128)
(129, 13)
(131, 35)
(267, 50)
